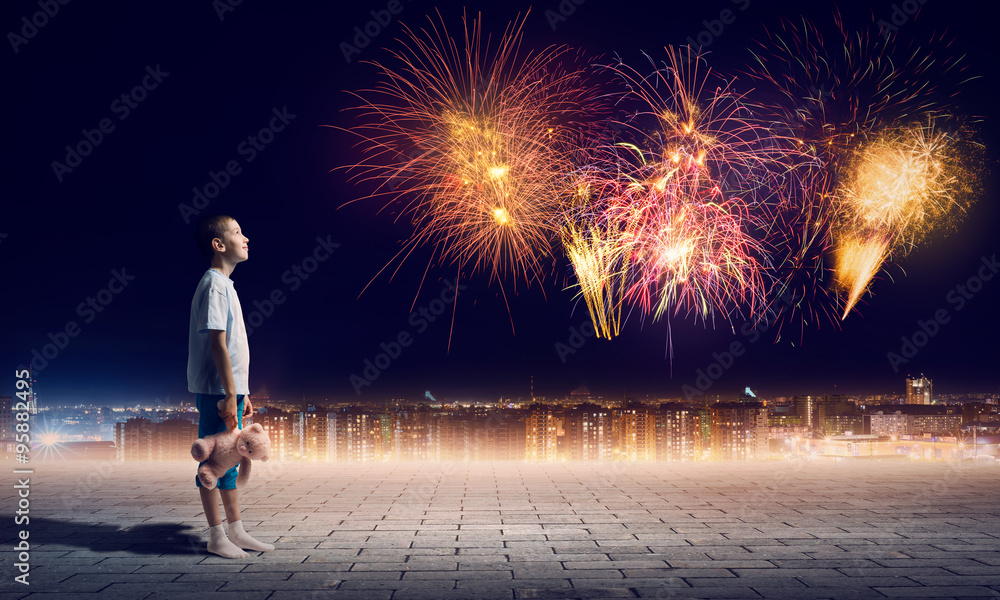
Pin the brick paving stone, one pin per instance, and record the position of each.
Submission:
(818, 593)
(938, 592)
(414, 530)
(571, 594)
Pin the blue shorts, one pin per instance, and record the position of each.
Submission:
(209, 423)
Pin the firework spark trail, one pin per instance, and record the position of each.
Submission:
(488, 133)
(665, 219)
(598, 260)
(857, 262)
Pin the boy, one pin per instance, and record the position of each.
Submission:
(218, 362)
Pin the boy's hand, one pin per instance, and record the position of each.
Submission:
(247, 406)
(228, 411)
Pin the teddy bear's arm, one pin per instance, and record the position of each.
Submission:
(203, 448)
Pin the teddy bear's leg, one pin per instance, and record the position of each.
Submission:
(207, 478)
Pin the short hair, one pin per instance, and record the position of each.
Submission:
(207, 229)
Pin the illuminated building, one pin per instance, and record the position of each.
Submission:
(739, 431)
(32, 398)
(172, 439)
(886, 424)
(540, 433)
(134, 439)
(278, 426)
(456, 442)
(805, 408)
(637, 424)
(678, 432)
(919, 391)
(313, 425)
(842, 424)
(913, 420)
(941, 423)
(971, 412)
(357, 436)
(836, 415)
(500, 436)
(588, 432)
(415, 434)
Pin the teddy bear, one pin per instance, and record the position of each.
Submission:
(223, 451)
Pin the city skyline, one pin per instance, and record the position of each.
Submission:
(103, 265)
(579, 428)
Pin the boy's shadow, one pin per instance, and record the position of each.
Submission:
(144, 538)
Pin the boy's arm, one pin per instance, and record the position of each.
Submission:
(221, 354)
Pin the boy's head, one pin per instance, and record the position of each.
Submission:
(220, 236)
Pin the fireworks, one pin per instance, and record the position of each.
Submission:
(702, 202)
(906, 183)
(857, 182)
(474, 142)
(598, 257)
(659, 231)
(900, 188)
(857, 261)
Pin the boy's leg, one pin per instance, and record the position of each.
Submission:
(238, 535)
(218, 543)
(231, 501)
(210, 503)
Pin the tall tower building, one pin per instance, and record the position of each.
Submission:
(588, 427)
(278, 426)
(678, 432)
(919, 391)
(356, 435)
(540, 433)
(804, 407)
(638, 432)
(314, 435)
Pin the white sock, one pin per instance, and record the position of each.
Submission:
(241, 538)
(219, 544)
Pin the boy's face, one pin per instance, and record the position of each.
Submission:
(234, 245)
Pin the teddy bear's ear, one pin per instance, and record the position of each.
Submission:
(257, 427)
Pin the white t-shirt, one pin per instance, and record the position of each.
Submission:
(216, 306)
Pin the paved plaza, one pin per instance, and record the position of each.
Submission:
(440, 530)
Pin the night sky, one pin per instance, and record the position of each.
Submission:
(213, 82)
